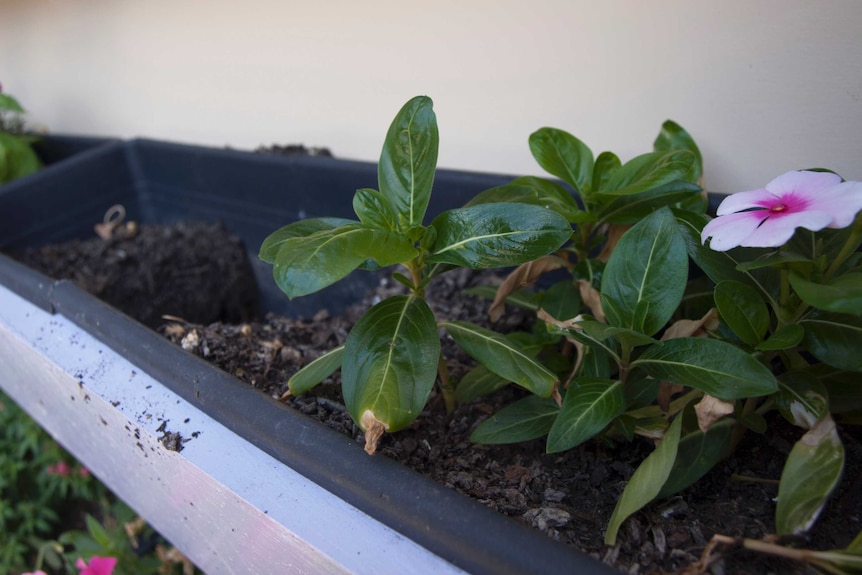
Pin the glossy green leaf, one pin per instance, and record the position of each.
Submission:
(774, 259)
(601, 331)
(478, 382)
(606, 346)
(372, 210)
(534, 191)
(641, 392)
(390, 361)
(561, 300)
(408, 162)
(526, 419)
(589, 407)
(841, 295)
(304, 265)
(842, 387)
(647, 481)
(644, 280)
(270, 246)
(742, 309)
(787, 337)
(497, 235)
(563, 155)
(99, 534)
(810, 474)
(650, 171)
(712, 366)
(624, 425)
(524, 299)
(673, 137)
(10, 104)
(721, 266)
(17, 158)
(606, 165)
(316, 371)
(502, 357)
(698, 452)
(633, 208)
(835, 339)
(596, 363)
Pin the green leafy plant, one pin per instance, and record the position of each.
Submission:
(38, 487)
(46, 501)
(111, 539)
(644, 343)
(391, 358)
(777, 329)
(17, 157)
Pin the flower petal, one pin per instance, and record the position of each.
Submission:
(778, 229)
(842, 202)
(730, 231)
(102, 565)
(746, 200)
(805, 184)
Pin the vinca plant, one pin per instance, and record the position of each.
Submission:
(391, 358)
(17, 157)
(779, 325)
(667, 324)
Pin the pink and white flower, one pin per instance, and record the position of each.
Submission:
(61, 468)
(98, 565)
(769, 216)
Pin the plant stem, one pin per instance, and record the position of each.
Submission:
(749, 479)
(849, 247)
(784, 298)
(415, 268)
(446, 387)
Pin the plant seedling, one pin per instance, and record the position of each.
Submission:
(17, 157)
(391, 357)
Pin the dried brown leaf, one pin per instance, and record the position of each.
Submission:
(666, 390)
(522, 276)
(710, 409)
(592, 299)
(613, 235)
(693, 327)
(566, 324)
(374, 430)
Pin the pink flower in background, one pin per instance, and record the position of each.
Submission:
(98, 565)
(62, 469)
(39, 572)
(84, 472)
(768, 217)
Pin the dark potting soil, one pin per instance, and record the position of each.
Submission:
(569, 496)
(294, 150)
(196, 271)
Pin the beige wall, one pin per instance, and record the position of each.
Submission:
(764, 86)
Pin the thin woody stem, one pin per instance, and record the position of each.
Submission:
(446, 387)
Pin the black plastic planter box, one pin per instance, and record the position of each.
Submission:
(259, 488)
